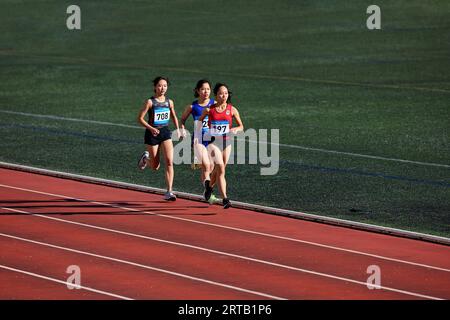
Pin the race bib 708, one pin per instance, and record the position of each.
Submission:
(162, 116)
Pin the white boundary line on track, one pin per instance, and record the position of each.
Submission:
(202, 249)
(52, 117)
(236, 204)
(223, 227)
(181, 275)
(62, 282)
(351, 154)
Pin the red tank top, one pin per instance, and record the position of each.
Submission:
(220, 122)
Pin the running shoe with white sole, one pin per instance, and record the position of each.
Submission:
(143, 160)
(169, 196)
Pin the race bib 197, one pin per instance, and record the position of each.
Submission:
(219, 127)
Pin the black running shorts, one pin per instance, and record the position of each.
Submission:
(164, 134)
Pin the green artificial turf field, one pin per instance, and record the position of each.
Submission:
(363, 115)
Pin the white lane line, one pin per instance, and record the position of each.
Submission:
(234, 229)
(63, 282)
(360, 155)
(181, 275)
(52, 117)
(326, 275)
(351, 154)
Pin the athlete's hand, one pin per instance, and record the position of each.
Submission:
(195, 141)
(180, 134)
(154, 131)
(234, 131)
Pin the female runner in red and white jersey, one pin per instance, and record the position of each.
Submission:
(220, 121)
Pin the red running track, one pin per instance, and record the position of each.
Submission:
(134, 245)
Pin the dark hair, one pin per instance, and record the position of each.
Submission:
(200, 83)
(217, 87)
(157, 79)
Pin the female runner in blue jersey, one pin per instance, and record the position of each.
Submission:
(202, 92)
(160, 110)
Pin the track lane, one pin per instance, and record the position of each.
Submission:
(253, 276)
(197, 212)
(199, 234)
(289, 255)
(125, 279)
(34, 288)
(29, 219)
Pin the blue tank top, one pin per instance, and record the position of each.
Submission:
(159, 114)
(197, 111)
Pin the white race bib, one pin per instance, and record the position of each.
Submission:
(219, 127)
(162, 116)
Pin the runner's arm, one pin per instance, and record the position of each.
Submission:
(173, 114)
(237, 117)
(141, 116)
(187, 111)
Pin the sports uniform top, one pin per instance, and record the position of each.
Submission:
(159, 114)
(197, 111)
(220, 122)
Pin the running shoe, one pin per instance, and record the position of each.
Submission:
(169, 196)
(143, 160)
(212, 199)
(208, 191)
(226, 203)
